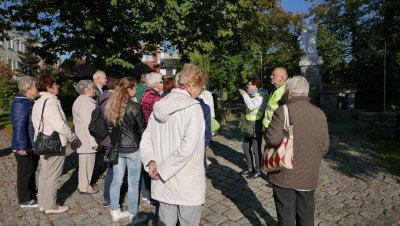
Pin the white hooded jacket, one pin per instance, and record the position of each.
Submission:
(174, 139)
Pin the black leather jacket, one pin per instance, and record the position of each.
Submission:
(131, 126)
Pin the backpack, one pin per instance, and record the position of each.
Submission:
(98, 125)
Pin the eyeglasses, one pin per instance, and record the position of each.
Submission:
(161, 82)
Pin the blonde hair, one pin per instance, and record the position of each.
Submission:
(192, 75)
(115, 108)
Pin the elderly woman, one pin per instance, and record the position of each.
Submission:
(22, 141)
(294, 189)
(172, 150)
(53, 120)
(86, 145)
(152, 93)
(251, 126)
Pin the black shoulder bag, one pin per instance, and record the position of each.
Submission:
(44, 144)
(111, 155)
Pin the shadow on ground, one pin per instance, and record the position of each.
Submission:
(5, 152)
(231, 131)
(351, 153)
(236, 189)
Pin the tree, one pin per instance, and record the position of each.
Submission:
(106, 33)
(29, 64)
(355, 32)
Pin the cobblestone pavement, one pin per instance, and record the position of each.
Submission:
(354, 189)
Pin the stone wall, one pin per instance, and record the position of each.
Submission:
(379, 123)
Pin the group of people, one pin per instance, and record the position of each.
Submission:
(159, 126)
(263, 117)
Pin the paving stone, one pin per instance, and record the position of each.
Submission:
(354, 188)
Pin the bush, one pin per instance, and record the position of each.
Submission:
(8, 89)
(66, 94)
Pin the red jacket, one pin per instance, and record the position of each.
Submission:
(149, 97)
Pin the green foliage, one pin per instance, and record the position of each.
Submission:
(66, 94)
(29, 64)
(8, 89)
(352, 35)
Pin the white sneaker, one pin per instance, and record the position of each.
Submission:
(118, 214)
(60, 209)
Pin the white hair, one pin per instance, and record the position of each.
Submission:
(298, 85)
(153, 78)
(83, 86)
(25, 82)
(97, 74)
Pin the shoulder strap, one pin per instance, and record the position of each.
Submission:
(41, 117)
(286, 113)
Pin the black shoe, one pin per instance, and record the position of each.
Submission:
(245, 173)
(254, 175)
(138, 218)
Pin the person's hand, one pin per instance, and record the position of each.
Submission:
(74, 139)
(242, 92)
(153, 173)
(21, 152)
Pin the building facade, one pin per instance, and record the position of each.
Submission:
(12, 48)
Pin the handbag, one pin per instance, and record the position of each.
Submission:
(281, 157)
(111, 155)
(46, 144)
(248, 128)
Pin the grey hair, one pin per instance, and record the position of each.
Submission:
(298, 85)
(97, 74)
(153, 78)
(177, 76)
(83, 86)
(25, 82)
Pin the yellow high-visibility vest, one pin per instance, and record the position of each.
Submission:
(253, 115)
(272, 105)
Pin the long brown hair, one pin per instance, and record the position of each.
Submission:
(115, 108)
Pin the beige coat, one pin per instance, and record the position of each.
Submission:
(174, 139)
(81, 113)
(53, 118)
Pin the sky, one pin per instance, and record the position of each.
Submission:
(300, 6)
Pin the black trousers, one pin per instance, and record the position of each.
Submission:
(252, 151)
(26, 180)
(294, 207)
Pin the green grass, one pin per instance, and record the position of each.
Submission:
(5, 120)
(389, 149)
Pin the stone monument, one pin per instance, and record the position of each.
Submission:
(311, 63)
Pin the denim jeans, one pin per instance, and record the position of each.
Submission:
(107, 183)
(133, 162)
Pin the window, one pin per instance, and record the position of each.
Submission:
(17, 64)
(1, 42)
(1, 58)
(11, 63)
(19, 45)
(11, 44)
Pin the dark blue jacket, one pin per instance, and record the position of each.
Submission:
(207, 120)
(21, 119)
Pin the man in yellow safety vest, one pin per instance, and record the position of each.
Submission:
(278, 78)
